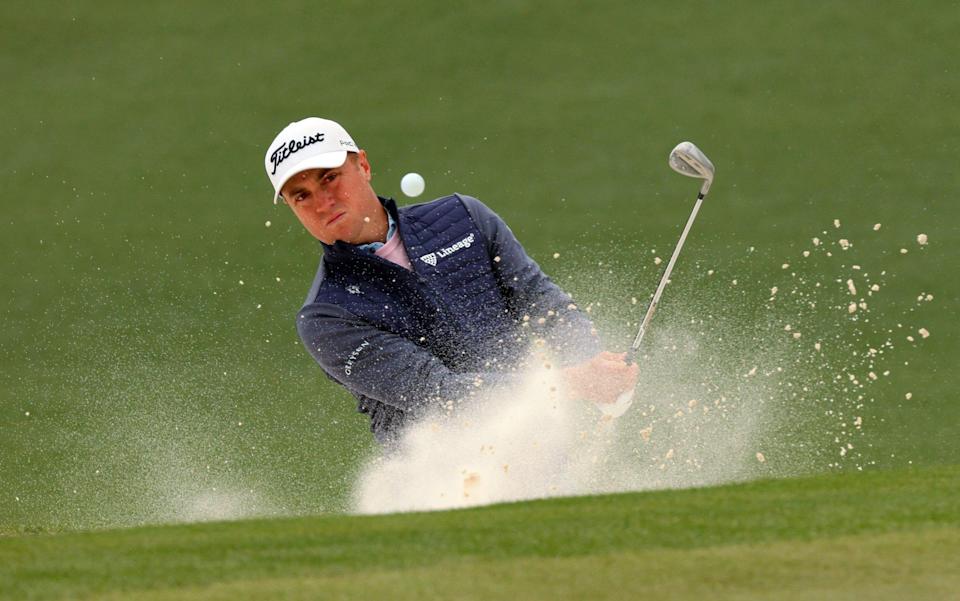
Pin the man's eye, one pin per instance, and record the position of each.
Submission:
(299, 197)
(329, 177)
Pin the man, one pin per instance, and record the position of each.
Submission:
(415, 308)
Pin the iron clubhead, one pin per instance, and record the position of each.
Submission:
(689, 160)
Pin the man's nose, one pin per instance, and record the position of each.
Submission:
(324, 199)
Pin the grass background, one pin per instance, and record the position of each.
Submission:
(885, 535)
(137, 372)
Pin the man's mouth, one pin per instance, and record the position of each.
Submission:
(336, 217)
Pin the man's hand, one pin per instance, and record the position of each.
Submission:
(601, 379)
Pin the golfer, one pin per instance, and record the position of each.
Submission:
(417, 308)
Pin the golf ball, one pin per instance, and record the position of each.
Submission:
(412, 184)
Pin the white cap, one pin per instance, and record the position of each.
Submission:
(310, 143)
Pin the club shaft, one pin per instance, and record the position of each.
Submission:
(652, 307)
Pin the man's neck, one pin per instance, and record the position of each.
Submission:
(376, 229)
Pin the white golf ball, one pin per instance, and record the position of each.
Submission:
(412, 184)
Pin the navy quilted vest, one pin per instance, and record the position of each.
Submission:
(451, 303)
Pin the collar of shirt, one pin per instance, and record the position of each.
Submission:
(391, 230)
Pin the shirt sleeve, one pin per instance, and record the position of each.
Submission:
(384, 366)
(531, 296)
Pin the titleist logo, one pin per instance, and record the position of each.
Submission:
(282, 153)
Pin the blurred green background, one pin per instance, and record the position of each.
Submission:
(149, 365)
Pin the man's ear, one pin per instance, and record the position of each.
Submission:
(364, 164)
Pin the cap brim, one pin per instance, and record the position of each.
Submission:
(327, 160)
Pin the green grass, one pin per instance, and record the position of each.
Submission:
(883, 535)
(134, 203)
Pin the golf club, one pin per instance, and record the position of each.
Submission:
(688, 160)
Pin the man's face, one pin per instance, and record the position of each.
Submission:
(337, 204)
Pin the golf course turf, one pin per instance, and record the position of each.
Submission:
(882, 535)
